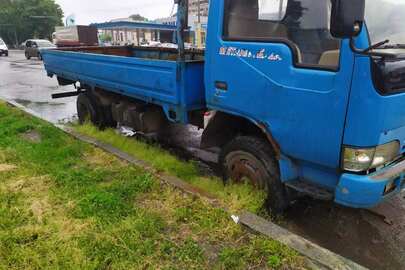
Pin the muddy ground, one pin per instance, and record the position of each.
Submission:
(374, 238)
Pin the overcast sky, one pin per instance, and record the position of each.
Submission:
(91, 11)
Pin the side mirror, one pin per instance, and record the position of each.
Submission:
(347, 18)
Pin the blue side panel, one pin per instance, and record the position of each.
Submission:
(194, 95)
(154, 81)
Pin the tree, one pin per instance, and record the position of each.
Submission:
(105, 38)
(137, 17)
(24, 19)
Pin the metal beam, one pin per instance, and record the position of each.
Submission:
(182, 26)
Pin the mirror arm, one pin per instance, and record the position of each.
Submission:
(369, 53)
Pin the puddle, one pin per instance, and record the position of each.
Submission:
(345, 231)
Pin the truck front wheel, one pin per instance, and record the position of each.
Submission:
(251, 159)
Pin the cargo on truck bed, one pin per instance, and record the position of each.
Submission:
(73, 36)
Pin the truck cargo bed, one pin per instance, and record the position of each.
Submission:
(152, 75)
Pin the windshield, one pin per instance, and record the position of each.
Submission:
(385, 20)
(44, 44)
(2, 42)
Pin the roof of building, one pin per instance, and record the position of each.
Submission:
(134, 25)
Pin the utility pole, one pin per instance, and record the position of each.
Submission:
(199, 11)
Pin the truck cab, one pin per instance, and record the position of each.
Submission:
(332, 106)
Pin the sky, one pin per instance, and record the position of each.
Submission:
(92, 11)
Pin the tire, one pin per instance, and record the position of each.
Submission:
(89, 108)
(27, 55)
(6, 54)
(252, 159)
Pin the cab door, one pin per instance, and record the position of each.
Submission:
(275, 62)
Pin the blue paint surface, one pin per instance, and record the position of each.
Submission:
(153, 81)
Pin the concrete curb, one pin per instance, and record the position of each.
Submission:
(320, 258)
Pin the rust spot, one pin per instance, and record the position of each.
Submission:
(274, 144)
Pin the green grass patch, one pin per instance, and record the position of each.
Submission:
(67, 205)
(236, 197)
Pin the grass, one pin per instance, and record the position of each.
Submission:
(235, 197)
(67, 205)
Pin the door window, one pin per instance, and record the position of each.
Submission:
(303, 24)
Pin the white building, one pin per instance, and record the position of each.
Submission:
(198, 27)
(198, 6)
(129, 32)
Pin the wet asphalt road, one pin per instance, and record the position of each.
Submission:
(25, 82)
(374, 238)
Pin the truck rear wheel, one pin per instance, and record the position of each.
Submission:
(251, 159)
(87, 110)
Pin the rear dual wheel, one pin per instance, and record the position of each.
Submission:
(90, 109)
(252, 160)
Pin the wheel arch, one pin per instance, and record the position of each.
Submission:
(223, 127)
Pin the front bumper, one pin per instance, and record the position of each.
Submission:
(367, 191)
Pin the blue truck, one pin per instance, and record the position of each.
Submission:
(309, 96)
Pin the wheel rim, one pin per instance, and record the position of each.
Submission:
(243, 167)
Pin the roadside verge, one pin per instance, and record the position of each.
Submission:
(320, 257)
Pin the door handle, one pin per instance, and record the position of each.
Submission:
(221, 85)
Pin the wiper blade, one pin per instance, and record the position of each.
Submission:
(394, 46)
(377, 45)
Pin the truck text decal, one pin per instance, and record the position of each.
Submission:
(244, 53)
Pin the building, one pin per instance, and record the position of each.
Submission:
(129, 32)
(198, 7)
(197, 25)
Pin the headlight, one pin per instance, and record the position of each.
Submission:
(360, 160)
